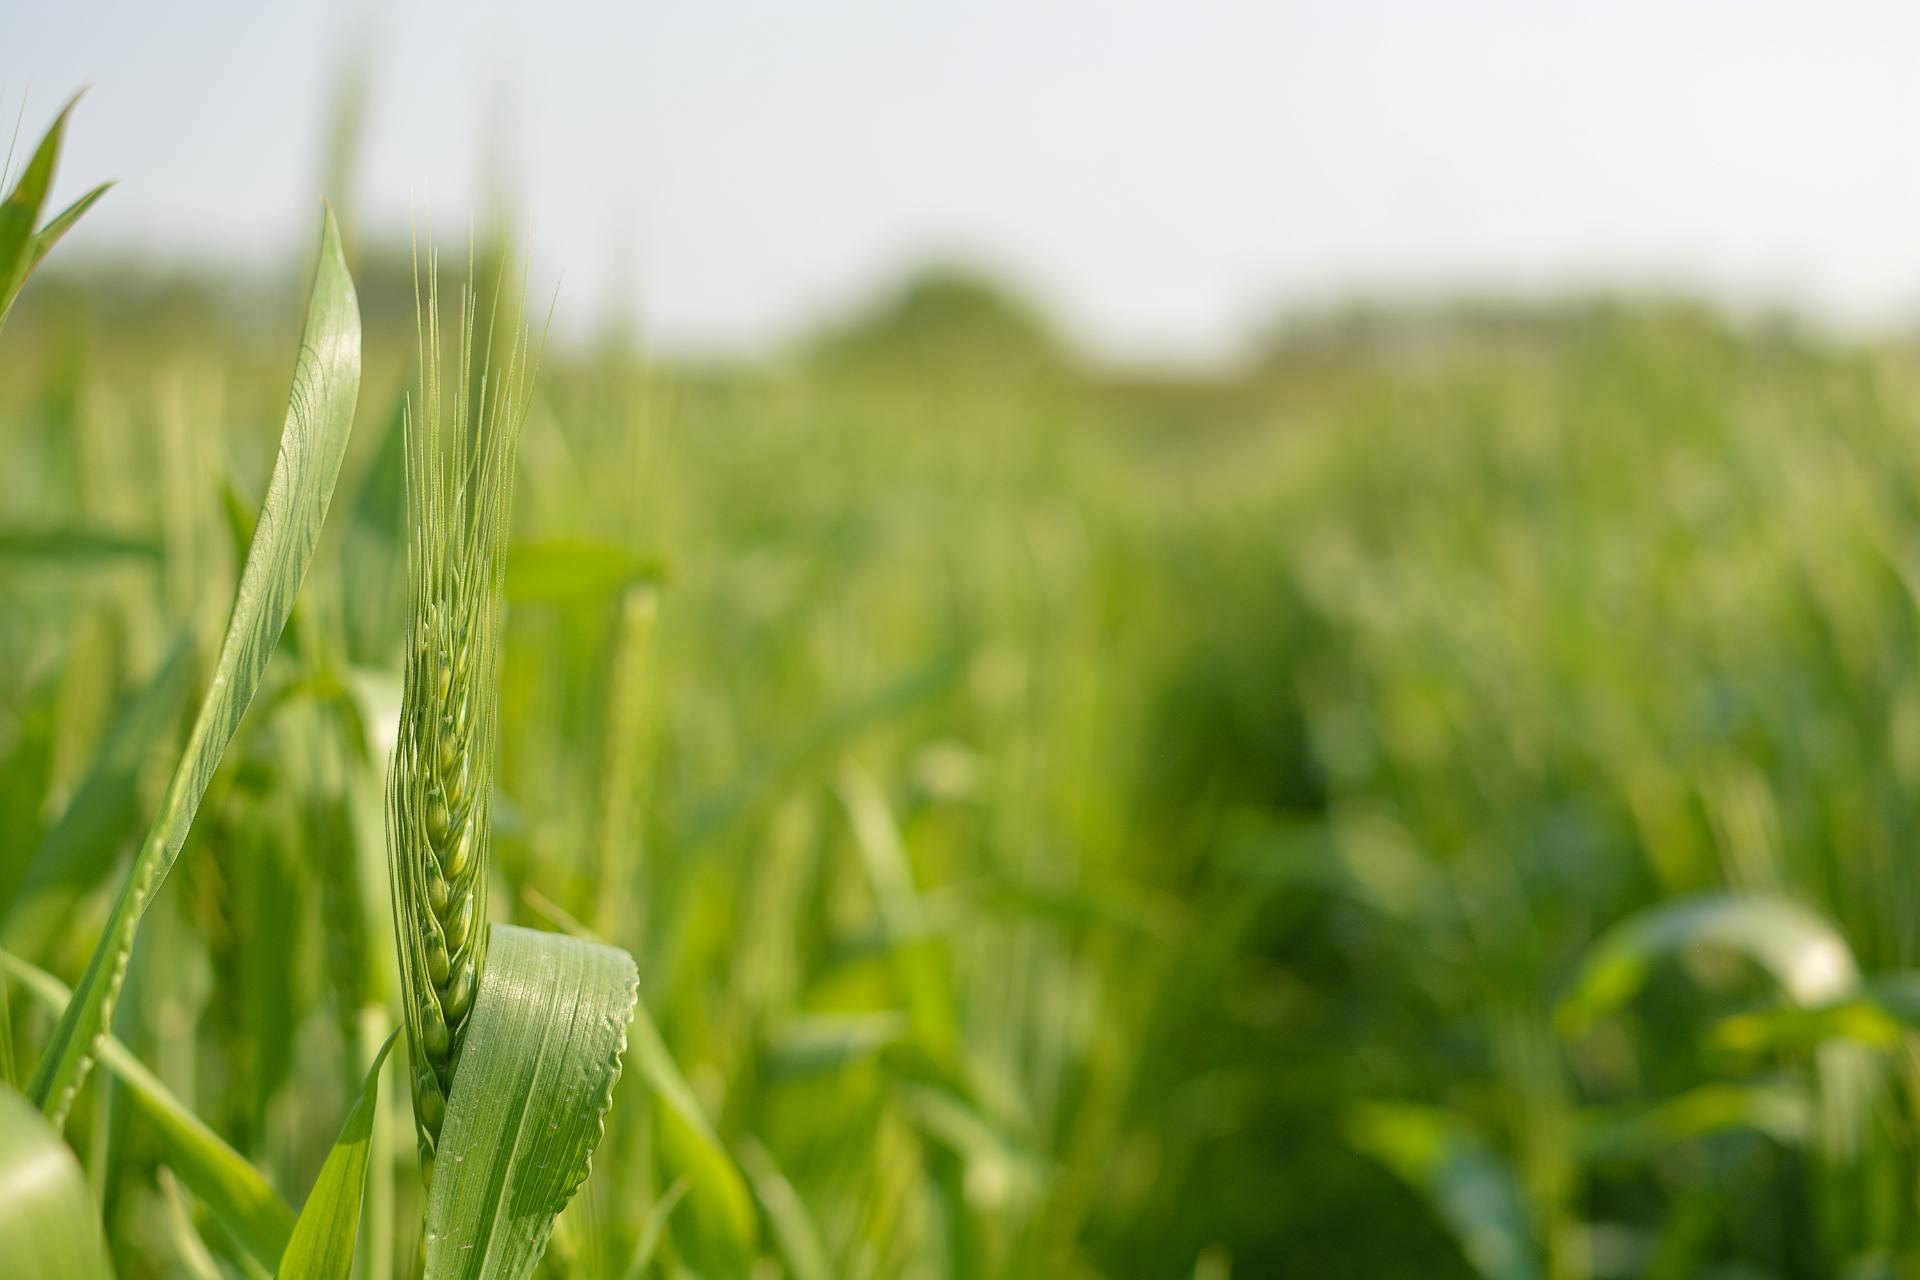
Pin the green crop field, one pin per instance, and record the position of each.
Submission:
(1438, 799)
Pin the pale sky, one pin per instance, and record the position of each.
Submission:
(1161, 176)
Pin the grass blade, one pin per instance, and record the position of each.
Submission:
(793, 1227)
(58, 226)
(652, 1229)
(537, 1070)
(329, 1224)
(1804, 953)
(21, 247)
(721, 1231)
(326, 383)
(47, 1223)
(190, 1252)
(20, 211)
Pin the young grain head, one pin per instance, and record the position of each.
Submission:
(460, 451)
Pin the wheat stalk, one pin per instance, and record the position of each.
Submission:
(459, 482)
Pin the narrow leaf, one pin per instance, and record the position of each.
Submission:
(537, 1070)
(721, 1230)
(20, 211)
(329, 1225)
(1803, 952)
(191, 1254)
(61, 223)
(653, 1228)
(793, 1227)
(326, 382)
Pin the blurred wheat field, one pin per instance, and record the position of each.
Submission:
(1433, 801)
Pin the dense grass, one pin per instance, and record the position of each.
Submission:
(1054, 812)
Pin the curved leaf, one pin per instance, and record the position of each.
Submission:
(48, 1228)
(537, 1069)
(326, 382)
(1803, 952)
(329, 1224)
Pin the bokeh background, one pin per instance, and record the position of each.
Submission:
(1208, 639)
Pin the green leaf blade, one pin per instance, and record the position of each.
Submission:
(328, 1228)
(61, 223)
(20, 210)
(1803, 951)
(313, 442)
(542, 1052)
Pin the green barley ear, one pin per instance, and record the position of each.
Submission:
(460, 445)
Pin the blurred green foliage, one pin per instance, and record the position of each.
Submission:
(1368, 813)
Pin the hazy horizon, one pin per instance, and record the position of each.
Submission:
(1161, 179)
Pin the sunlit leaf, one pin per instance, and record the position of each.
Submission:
(20, 210)
(61, 223)
(329, 1224)
(537, 1068)
(326, 382)
(1804, 953)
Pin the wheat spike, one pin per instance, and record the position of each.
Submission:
(460, 452)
